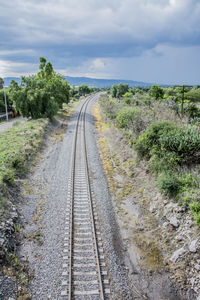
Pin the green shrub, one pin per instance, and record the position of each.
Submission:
(195, 208)
(111, 108)
(185, 142)
(187, 182)
(163, 161)
(192, 111)
(9, 176)
(168, 184)
(151, 137)
(187, 197)
(130, 118)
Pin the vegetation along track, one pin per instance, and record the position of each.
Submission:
(84, 273)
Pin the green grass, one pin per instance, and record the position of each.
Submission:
(17, 146)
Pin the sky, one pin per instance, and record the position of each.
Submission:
(156, 41)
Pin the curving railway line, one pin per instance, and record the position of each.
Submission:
(84, 268)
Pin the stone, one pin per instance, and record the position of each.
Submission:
(152, 207)
(165, 224)
(174, 221)
(193, 246)
(177, 253)
(197, 267)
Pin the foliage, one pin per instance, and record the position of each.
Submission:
(128, 98)
(195, 208)
(193, 95)
(1, 83)
(168, 184)
(84, 89)
(16, 146)
(150, 138)
(40, 95)
(110, 107)
(2, 101)
(74, 92)
(130, 118)
(119, 90)
(184, 141)
(156, 92)
(192, 111)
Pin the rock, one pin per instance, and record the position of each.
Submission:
(198, 297)
(177, 253)
(165, 224)
(193, 246)
(197, 267)
(174, 221)
(152, 207)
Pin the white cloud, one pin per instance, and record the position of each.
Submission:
(10, 68)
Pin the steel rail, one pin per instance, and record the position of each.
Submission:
(82, 113)
(92, 213)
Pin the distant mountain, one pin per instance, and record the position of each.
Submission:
(98, 83)
(101, 83)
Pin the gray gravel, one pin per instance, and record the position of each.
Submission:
(50, 183)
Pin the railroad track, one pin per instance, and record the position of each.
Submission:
(85, 275)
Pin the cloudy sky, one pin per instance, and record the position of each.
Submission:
(144, 40)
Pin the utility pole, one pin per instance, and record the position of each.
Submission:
(5, 103)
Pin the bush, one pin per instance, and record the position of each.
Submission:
(195, 208)
(110, 108)
(168, 184)
(163, 161)
(151, 138)
(130, 118)
(192, 111)
(187, 197)
(9, 176)
(185, 142)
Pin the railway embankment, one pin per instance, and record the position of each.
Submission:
(160, 234)
(20, 149)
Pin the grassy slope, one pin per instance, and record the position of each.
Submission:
(17, 145)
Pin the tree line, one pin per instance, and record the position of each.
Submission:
(40, 95)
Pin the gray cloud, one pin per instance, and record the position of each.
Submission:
(76, 31)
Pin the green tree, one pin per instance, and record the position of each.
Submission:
(114, 91)
(1, 83)
(40, 95)
(122, 89)
(84, 89)
(156, 92)
(128, 97)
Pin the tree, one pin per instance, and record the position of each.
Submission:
(156, 92)
(40, 95)
(122, 89)
(128, 97)
(84, 89)
(1, 83)
(114, 91)
(119, 90)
